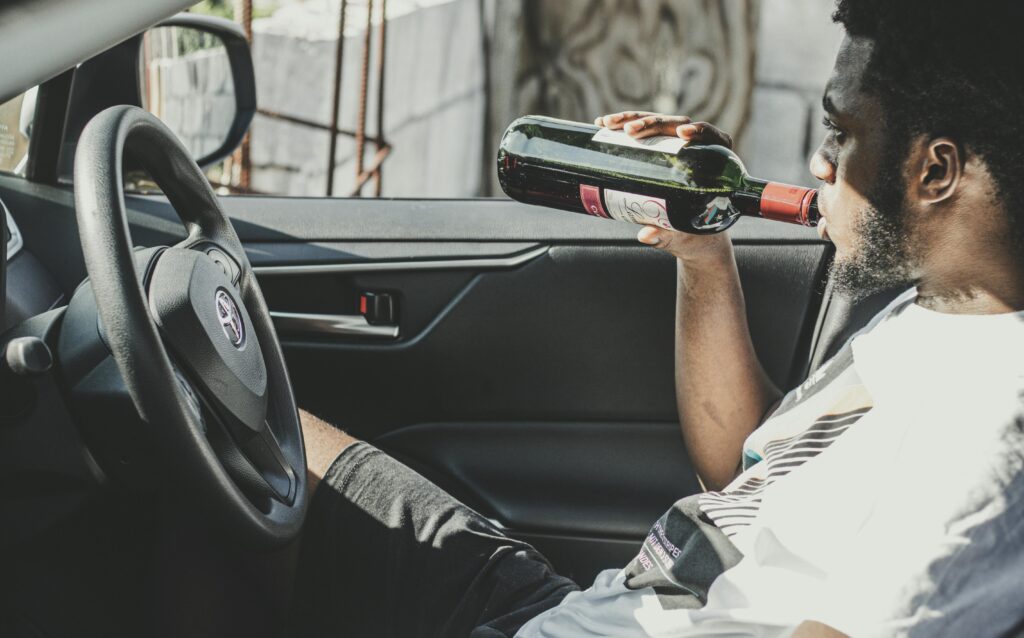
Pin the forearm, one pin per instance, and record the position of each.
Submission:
(721, 389)
(813, 629)
(323, 443)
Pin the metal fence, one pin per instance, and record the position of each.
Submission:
(238, 168)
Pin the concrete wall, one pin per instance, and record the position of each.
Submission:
(796, 46)
(194, 95)
(434, 98)
(756, 67)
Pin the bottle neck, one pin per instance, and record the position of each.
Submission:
(777, 201)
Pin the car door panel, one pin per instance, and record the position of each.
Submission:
(578, 333)
(532, 371)
(584, 493)
(539, 392)
(543, 394)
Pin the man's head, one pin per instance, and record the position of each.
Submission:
(924, 159)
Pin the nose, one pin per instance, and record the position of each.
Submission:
(822, 168)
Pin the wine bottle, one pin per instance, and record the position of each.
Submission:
(656, 180)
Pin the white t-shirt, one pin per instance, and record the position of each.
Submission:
(908, 522)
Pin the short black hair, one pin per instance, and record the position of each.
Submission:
(950, 68)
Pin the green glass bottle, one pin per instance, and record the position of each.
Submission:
(658, 180)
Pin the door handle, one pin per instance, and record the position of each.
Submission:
(342, 325)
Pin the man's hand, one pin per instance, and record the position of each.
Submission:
(324, 443)
(641, 124)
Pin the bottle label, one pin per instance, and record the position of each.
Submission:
(591, 198)
(659, 143)
(637, 209)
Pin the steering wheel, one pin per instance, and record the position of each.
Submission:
(191, 334)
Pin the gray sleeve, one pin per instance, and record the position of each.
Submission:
(977, 590)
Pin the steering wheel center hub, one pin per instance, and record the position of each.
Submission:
(230, 318)
(193, 303)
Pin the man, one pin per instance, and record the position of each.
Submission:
(884, 496)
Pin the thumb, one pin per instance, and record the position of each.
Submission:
(652, 236)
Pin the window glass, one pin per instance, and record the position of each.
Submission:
(16, 116)
(425, 94)
(185, 75)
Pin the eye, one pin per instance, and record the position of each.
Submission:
(833, 130)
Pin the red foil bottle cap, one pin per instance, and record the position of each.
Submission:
(785, 203)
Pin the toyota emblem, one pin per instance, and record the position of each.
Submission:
(230, 318)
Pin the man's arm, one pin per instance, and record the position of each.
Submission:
(721, 389)
(323, 443)
(812, 629)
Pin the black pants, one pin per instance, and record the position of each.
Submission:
(386, 553)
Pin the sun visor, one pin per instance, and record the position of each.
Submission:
(41, 38)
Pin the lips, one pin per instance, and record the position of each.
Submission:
(822, 226)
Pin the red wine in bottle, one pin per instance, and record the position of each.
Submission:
(657, 180)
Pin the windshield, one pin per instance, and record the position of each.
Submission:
(16, 117)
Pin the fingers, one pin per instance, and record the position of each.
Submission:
(655, 124)
(649, 235)
(692, 249)
(616, 121)
(667, 240)
(641, 124)
(703, 133)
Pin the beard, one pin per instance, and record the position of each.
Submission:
(882, 258)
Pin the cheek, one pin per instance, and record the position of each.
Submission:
(844, 203)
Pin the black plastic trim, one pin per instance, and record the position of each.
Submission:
(48, 129)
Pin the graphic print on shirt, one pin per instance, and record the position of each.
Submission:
(797, 431)
(680, 557)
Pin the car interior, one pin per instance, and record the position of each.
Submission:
(521, 358)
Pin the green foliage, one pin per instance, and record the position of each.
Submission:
(219, 8)
(226, 8)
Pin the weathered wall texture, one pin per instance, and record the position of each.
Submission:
(754, 67)
(577, 59)
(434, 97)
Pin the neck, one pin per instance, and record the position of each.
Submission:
(992, 287)
(971, 262)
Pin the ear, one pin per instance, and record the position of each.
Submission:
(940, 168)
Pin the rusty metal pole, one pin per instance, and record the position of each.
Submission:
(381, 43)
(363, 86)
(339, 51)
(243, 15)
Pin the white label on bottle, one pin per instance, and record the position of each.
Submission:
(636, 209)
(659, 143)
